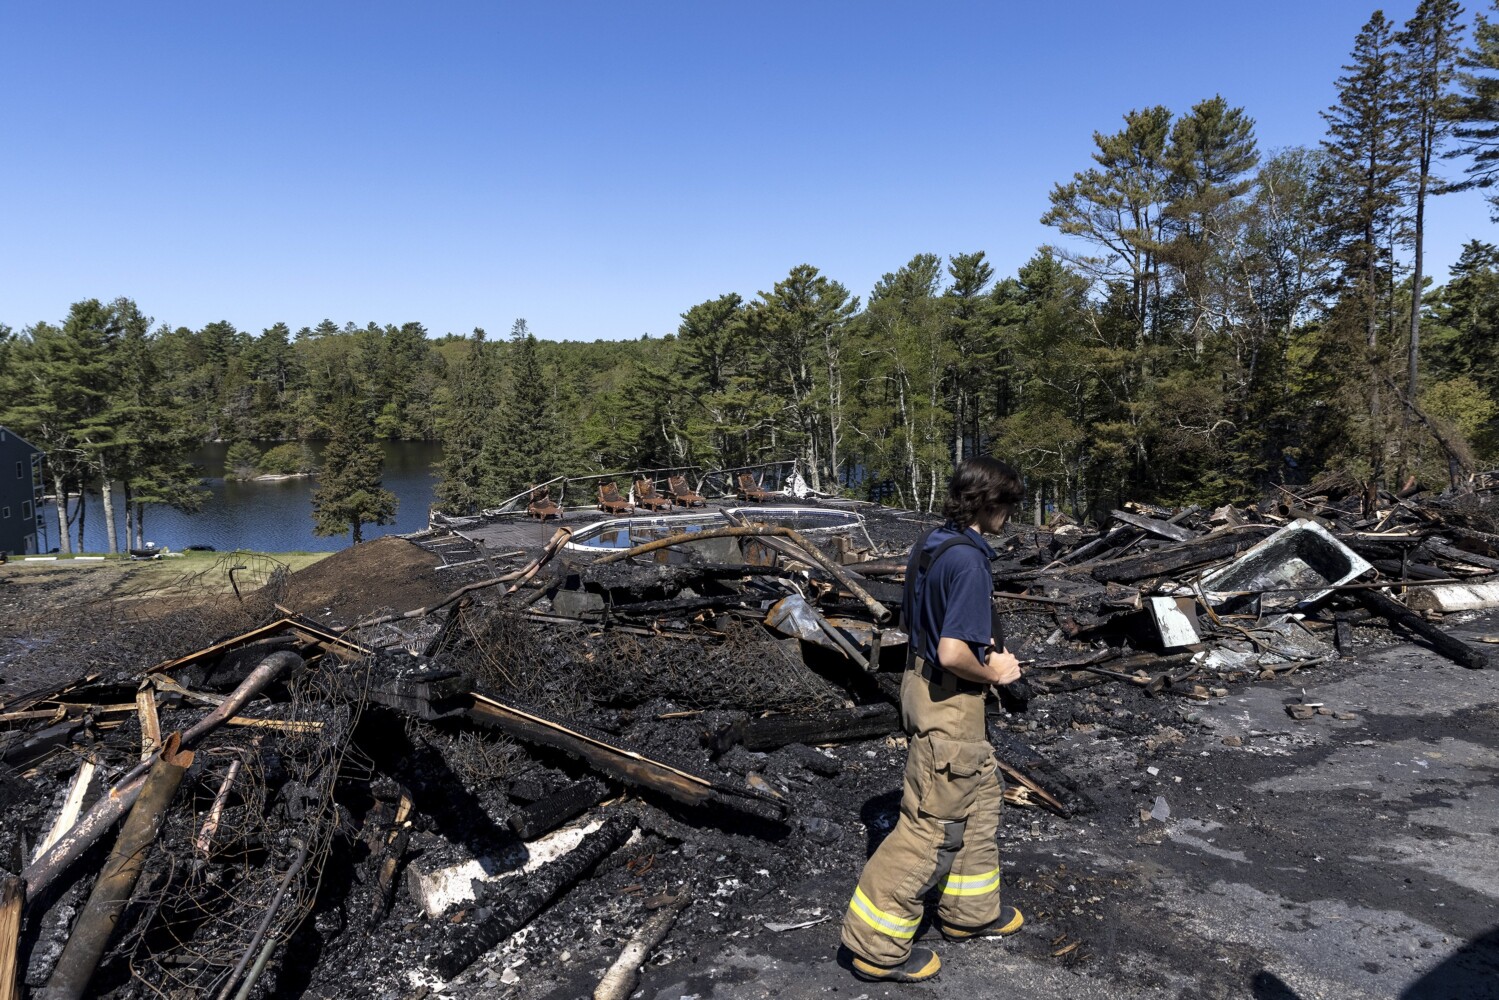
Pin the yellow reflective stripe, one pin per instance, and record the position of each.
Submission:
(971, 885)
(885, 923)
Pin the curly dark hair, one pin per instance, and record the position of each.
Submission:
(981, 485)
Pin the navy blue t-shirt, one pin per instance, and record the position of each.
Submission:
(955, 596)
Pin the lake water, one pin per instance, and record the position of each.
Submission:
(268, 516)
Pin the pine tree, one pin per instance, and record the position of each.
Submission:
(526, 443)
(1368, 155)
(1477, 111)
(349, 494)
(1430, 46)
(1117, 208)
(469, 413)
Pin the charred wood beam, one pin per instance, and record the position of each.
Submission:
(72, 805)
(394, 849)
(501, 917)
(623, 764)
(1445, 551)
(101, 914)
(1169, 560)
(53, 693)
(1168, 530)
(203, 844)
(107, 811)
(880, 612)
(547, 813)
(21, 753)
(775, 731)
(1408, 571)
(1448, 645)
(1472, 540)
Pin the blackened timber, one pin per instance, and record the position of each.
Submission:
(622, 763)
(498, 918)
(1445, 551)
(546, 814)
(1448, 645)
(1163, 562)
(1161, 529)
(775, 731)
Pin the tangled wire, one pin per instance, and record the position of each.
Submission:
(237, 864)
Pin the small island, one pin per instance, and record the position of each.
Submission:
(244, 462)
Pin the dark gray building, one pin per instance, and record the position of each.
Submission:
(20, 494)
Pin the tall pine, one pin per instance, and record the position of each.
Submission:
(466, 421)
(1368, 156)
(1430, 47)
(349, 493)
(1477, 111)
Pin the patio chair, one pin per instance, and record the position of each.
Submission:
(542, 506)
(748, 490)
(682, 494)
(647, 497)
(610, 502)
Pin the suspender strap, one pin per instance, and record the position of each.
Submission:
(930, 670)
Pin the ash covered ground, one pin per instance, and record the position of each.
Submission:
(1217, 847)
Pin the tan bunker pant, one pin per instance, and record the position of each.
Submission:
(947, 835)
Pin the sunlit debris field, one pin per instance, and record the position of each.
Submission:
(523, 753)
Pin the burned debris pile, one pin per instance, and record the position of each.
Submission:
(527, 774)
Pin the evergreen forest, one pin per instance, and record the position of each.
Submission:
(1211, 318)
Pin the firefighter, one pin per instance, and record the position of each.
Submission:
(946, 838)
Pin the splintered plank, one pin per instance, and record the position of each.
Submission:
(12, 895)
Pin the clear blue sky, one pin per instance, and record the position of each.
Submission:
(596, 168)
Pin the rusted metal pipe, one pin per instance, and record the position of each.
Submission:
(107, 811)
(880, 612)
(92, 931)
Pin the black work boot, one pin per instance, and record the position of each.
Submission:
(922, 964)
(1008, 922)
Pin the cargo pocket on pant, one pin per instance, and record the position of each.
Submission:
(957, 772)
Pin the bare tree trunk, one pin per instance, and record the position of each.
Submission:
(129, 514)
(82, 510)
(60, 487)
(106, 492)
(140, 525)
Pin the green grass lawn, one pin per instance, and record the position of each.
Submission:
(140, 577)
